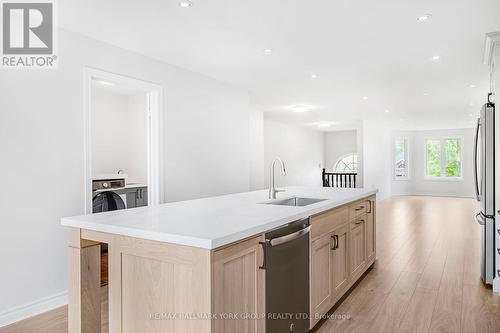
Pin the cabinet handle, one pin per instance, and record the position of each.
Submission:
(264, 246)
(359, 208)
(360, 221)
(370, 205)
(335, 239)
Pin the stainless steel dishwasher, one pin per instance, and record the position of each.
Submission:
(286, 261)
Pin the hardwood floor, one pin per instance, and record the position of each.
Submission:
(427, 275)
(426, 278)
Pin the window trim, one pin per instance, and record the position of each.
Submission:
(407, 157)
(341, 158)
(443, 177)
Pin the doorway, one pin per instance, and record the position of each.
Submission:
(122, 134)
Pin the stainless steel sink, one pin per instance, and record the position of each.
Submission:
(294, 201)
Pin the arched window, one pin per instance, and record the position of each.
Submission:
(347, 163)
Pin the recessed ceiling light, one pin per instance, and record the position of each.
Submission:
(472, 86)
(185, 4)
(105, 83)
(387, 111)
(436, 58)
(424, 18)
(314, 76)
(365, 98)
(268, 51)
(300, 108)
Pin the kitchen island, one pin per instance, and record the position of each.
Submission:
(193, 266)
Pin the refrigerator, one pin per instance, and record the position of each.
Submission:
(484, 176)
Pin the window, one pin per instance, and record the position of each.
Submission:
(348, 163)
(401, 163)
(443, 158)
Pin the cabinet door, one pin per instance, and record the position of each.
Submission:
(358, 246)
(321, 277)
(370, 231)
(131, 198)
(239, 289)
(340, 259)
(142, 197)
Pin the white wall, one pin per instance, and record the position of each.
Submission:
(206, 143)
(256, 150)
(119, 134)
(301, 149)
(338, 144)
(377, 157)
(417, 184)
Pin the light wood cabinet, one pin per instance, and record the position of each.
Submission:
(370, 231)
(321, 275)
(342, 248)
(358, 245)
(238, 286)
(340, 259)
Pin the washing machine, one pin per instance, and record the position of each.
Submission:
(108, 195)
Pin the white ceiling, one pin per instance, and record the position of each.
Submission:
(357, 48)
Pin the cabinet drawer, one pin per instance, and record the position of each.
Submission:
(327, 221)
(358, 208)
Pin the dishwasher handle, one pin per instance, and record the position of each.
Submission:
(289, 237)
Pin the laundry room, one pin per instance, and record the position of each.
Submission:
(118, 145)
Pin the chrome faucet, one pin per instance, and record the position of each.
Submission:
(272, 189)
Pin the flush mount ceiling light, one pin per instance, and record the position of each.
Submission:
(185, 4)
(436, 58)
(365, 98)
(267, 51)
(300, 108)
(105, 83)
(314, 76)
(424, 18)
(324, 124)
(387, 111)
(472, 86)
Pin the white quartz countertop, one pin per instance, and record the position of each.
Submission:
(216, 221)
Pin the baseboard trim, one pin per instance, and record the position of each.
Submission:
(34, 308)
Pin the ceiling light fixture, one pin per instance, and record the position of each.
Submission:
(365, 98)
(185, 4)
(426, 93)
(324, 124)
(105, 83)
(314, 76)
(300, 108)
(387, 111)
(268, 51)
(436, 58)
(424, 18)
(472, 86)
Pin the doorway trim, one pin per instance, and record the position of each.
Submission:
(154, 131)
